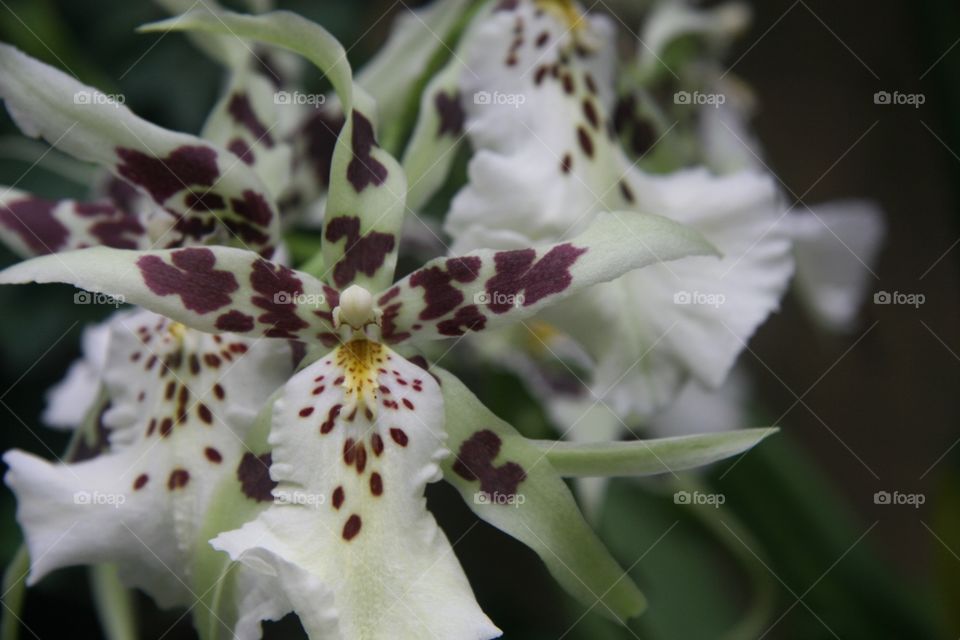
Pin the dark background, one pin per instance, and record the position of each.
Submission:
(882, 415)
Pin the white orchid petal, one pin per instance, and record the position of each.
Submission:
(356, 437)
(181, 404)
(836, 246)
(70, 399)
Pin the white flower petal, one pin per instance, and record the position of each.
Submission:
(836, 246)
(356, 438)
(70, 399)
(181, 403)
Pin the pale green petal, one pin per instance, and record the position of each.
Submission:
(213, 289)
(202, 192)
(487, 289)
(647, 457)
(507, 480)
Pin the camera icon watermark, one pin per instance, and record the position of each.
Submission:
(701, 298)
(97, 498)
(299, 498)
(87, 97)
(504, 499)
(299, 98)
(899, 499)
(299, 299)
(498, 299)
(89, 297)
(714, 500)
(699, 99)
(487, 98)
(896, 297)
(897, 98)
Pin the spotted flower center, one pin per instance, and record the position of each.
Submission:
(360, 361)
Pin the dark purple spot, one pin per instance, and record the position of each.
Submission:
(254, 476)
(440, 295)
(213, 455)
(178, 479)
(32, 219)
(451, 113)
(242, 150)
(204, 201)
(364, 254)
(235, 322)
(162, 177)
(320, 132)
(399, 436)
(363, 169)
(201, 287)
(475, 462)
(352, 527)
(242, 111)
(465, 319)
(140, 482)
(376, 484)
(278, 287)
(586, 143)
(338, 497)
(516, 273)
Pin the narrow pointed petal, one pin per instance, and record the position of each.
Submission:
(213, 289)
(201, 191)
(356, 437)
(33, 226)
(648, 457)
(367, 191)
(246, 122)
(416, 37)
(508, 482)
(439, 131)
(486, 289)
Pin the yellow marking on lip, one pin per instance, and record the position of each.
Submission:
(565, 10)
(360, 360)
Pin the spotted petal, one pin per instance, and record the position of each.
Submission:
(356, 438)
(246, 122)
(213, 289)
(437, 136)
(181, 404)
(486, 289)
(508, 482)
(32, 226)
(209, 194)
(365, 204)
(531, 181)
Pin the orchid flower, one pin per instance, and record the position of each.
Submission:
(338, 531)
(549, 164)
(552, 152)
(179, 405)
